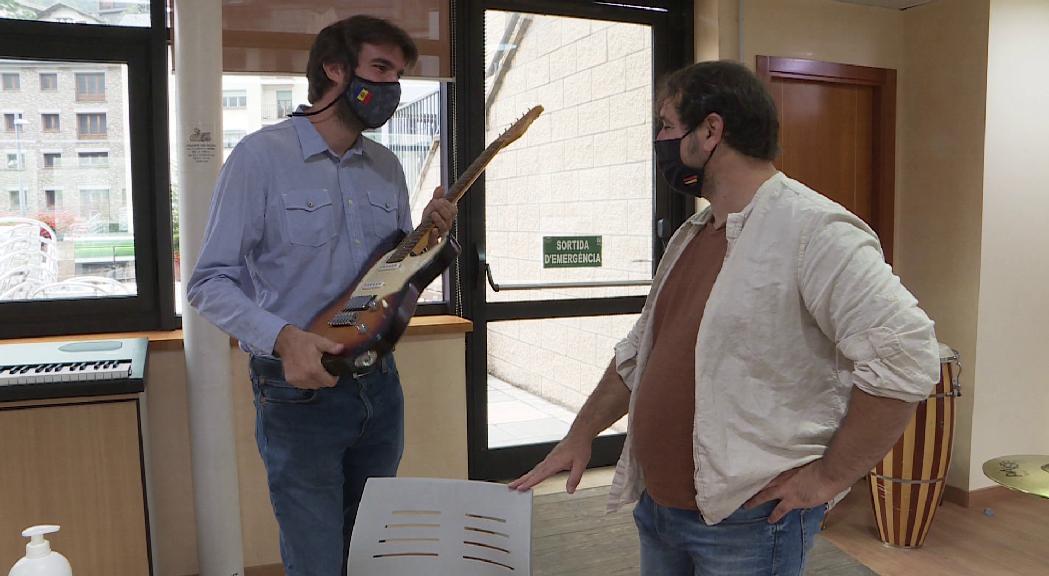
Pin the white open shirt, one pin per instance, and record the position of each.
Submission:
(804, 308)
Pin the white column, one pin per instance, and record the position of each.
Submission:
(198, 73)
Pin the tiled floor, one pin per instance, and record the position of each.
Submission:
(517, 417)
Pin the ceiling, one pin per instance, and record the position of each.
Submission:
(892, 4)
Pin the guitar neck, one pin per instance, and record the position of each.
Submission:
(473, 172)
(454, 194)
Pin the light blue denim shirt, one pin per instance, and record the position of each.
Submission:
(292, 225)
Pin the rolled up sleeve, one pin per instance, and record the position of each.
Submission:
(626, 356)
(860, 304)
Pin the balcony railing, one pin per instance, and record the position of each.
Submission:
(411, 134)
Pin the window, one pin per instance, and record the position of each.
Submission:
(234, 99)
(9, 121)
(91, 126)
(284, 106)
(15, 161)
(126, 13)
(11, 81)
(48, 81)
(14, 202)
(53, 198)
(109, 86)
(93, 159)
(49, 122)
(230, 138)
(90, 86)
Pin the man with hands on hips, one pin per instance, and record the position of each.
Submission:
(776, 360)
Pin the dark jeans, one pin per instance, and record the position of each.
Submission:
(319, 448)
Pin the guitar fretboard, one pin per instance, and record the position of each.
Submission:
(454, 194)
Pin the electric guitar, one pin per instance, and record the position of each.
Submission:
(371, 316)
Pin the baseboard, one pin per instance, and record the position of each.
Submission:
(263, 570)
(978, 498)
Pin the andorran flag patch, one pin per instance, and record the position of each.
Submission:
(690, 180)
(364, 96)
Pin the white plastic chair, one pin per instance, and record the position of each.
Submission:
(431, 527)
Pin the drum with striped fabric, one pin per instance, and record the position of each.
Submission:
(908, 484)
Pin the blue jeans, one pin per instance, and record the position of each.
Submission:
(678, 542)
(319, 448)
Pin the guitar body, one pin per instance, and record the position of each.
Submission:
(369, 318)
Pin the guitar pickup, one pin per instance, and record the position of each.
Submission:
(359, 304)
(350, 312)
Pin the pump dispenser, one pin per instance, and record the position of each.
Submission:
(39, 559)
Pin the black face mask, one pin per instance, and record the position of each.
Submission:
(373, 103)
(683, 179)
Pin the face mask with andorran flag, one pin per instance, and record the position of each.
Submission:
(373, 102)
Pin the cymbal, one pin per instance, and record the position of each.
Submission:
(1027, 473)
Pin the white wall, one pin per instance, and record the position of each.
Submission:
(1012, 397)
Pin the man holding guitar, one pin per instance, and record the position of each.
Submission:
(300, 210)
(776, 359)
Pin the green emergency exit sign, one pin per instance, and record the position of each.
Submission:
(571, 251)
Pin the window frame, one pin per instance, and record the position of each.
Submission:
(143, 51)
(54, 200)
(86, 96)
(239, 96)
(44, 88)
(103, 124)
(57, 127)
(19, 163)
(4, 76)
(44, 154)
(9, 121)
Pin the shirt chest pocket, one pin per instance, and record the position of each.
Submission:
(309, 217)
(383, 213)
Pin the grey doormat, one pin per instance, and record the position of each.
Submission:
(572, 536)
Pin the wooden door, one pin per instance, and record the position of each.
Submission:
(837, 131)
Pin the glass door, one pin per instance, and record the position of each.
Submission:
(564, 227)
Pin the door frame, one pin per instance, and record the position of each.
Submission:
(672, 47)
(883, 80)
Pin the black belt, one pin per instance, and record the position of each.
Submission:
(273, 368)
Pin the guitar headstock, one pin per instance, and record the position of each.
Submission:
(518, 128)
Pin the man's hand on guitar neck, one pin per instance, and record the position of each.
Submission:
(440, 211)
(300, 352)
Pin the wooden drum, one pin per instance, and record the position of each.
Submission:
(908, 484)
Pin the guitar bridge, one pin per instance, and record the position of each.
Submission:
(343, 319)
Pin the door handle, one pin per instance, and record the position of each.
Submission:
(547, 285)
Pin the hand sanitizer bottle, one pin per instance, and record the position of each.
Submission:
(39, 559)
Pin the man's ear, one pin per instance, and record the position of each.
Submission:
(715, 127)
(335, 71)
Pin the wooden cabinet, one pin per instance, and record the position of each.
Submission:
(76, 462)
